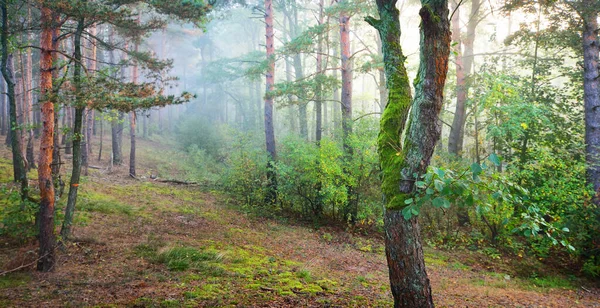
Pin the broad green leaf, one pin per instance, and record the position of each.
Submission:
(494, 159)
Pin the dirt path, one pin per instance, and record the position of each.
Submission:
(146, 244)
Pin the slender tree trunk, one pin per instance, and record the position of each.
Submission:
(69, 134)
(591, 95)
(464, 64)
(346, 79)
(132, 120)
(3, 110)
(319, 90)
(408, 277)
(65, 231)
(20, 104)
(46, 216)
(270, 80)
(336, 95)
(455, 139)
(56, 159)
(101, 137)
(29, 96)
(19, 172)
(116, 125)
(351, 209)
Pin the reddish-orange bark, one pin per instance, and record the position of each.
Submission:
(46, 215)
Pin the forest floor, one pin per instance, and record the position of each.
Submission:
(141, 243)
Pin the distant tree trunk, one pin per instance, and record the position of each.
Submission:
(132, 126)
(46, 215)
(28, 97)
(117, 139)
(20, 104)
(336, 94)
(132, 120)
(319, 90)
(351, 209)
(69, 133)
(270, 80)
(591, 94)
(346, 79)
(116, 125)
(408, 278)
(145, 123)
(299, 74)
(464, 63)
(101, 137)
(455, 140)
(3, 110)
(20, 175)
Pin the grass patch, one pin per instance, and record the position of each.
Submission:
(435, 258)
(95, 202)
(13, 280)
(184, 258)
(549, 282)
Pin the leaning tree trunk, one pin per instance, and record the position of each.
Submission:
(46, 215)
(19, 172)
(399, 162)
(270, 81)
(591, 96)
(65, 231)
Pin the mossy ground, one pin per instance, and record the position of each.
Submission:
(140, 243)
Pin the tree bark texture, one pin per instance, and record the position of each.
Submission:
(46, 215)
(19, 171)
(268, 109)
(591, 96)
(400, 160)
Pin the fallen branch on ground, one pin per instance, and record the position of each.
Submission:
(177, 182)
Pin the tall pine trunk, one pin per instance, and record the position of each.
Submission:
(270, 81)
(400, 161)
(591, 96)
(46, 215)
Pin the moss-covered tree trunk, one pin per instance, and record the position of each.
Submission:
(401, 160)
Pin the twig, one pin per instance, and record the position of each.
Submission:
(23, 266)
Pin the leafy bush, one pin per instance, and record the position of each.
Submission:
(17, 217)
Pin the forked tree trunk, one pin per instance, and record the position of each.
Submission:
(400, 161)
(270, 80)
(46, 215)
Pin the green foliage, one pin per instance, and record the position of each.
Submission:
(17, 217)
(195, 134)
